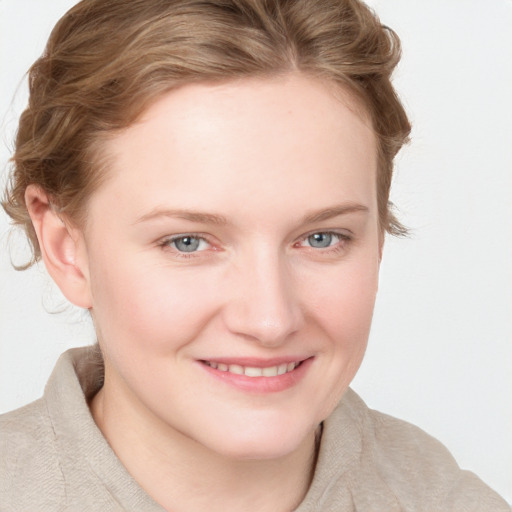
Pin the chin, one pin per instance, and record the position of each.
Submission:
(263, 443)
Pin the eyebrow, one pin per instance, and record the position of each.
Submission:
(334, 211)
(219, 220)
(190, 215)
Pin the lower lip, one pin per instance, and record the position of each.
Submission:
(262, 385)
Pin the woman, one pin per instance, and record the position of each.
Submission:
(210, 180)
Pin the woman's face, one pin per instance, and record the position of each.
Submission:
(233, 260)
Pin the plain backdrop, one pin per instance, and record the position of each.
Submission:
(440, 352)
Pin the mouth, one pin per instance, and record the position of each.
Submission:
(258, 376)
(254, 371)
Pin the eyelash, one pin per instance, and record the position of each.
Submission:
(344, 239)
(166, 244)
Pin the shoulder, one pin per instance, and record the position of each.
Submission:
(29, 467)
(25, 432)
(414, 466)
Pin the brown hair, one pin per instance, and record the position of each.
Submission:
(106, 61)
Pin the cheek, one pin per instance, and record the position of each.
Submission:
(345, 299)
(145, 306)
(345, 319)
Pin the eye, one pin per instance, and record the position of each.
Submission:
(330, 241)
(320, 240)
(323, 240)
(187, 243)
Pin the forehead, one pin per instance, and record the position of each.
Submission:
(258, 137)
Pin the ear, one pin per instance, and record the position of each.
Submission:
(62, 248)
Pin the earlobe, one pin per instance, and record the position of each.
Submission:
(62, 248)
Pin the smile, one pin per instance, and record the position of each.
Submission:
(252, 371)
(259, 376)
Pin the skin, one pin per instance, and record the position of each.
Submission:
(257, 156)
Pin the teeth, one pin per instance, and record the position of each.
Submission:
(250, 371)
(269, 372)
(253, 372)
(236, 369)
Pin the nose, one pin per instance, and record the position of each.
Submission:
(264, 305)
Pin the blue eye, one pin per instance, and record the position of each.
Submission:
(322, 240)
(188, 243)
(326, 240)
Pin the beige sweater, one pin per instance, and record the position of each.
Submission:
(54, 458)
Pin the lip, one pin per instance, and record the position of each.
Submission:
(259, 385)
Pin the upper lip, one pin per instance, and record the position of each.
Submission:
(256, 362)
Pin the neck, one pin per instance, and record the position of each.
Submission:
(182, 475)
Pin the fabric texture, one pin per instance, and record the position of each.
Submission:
(54, 458)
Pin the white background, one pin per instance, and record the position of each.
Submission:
(440, 353)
